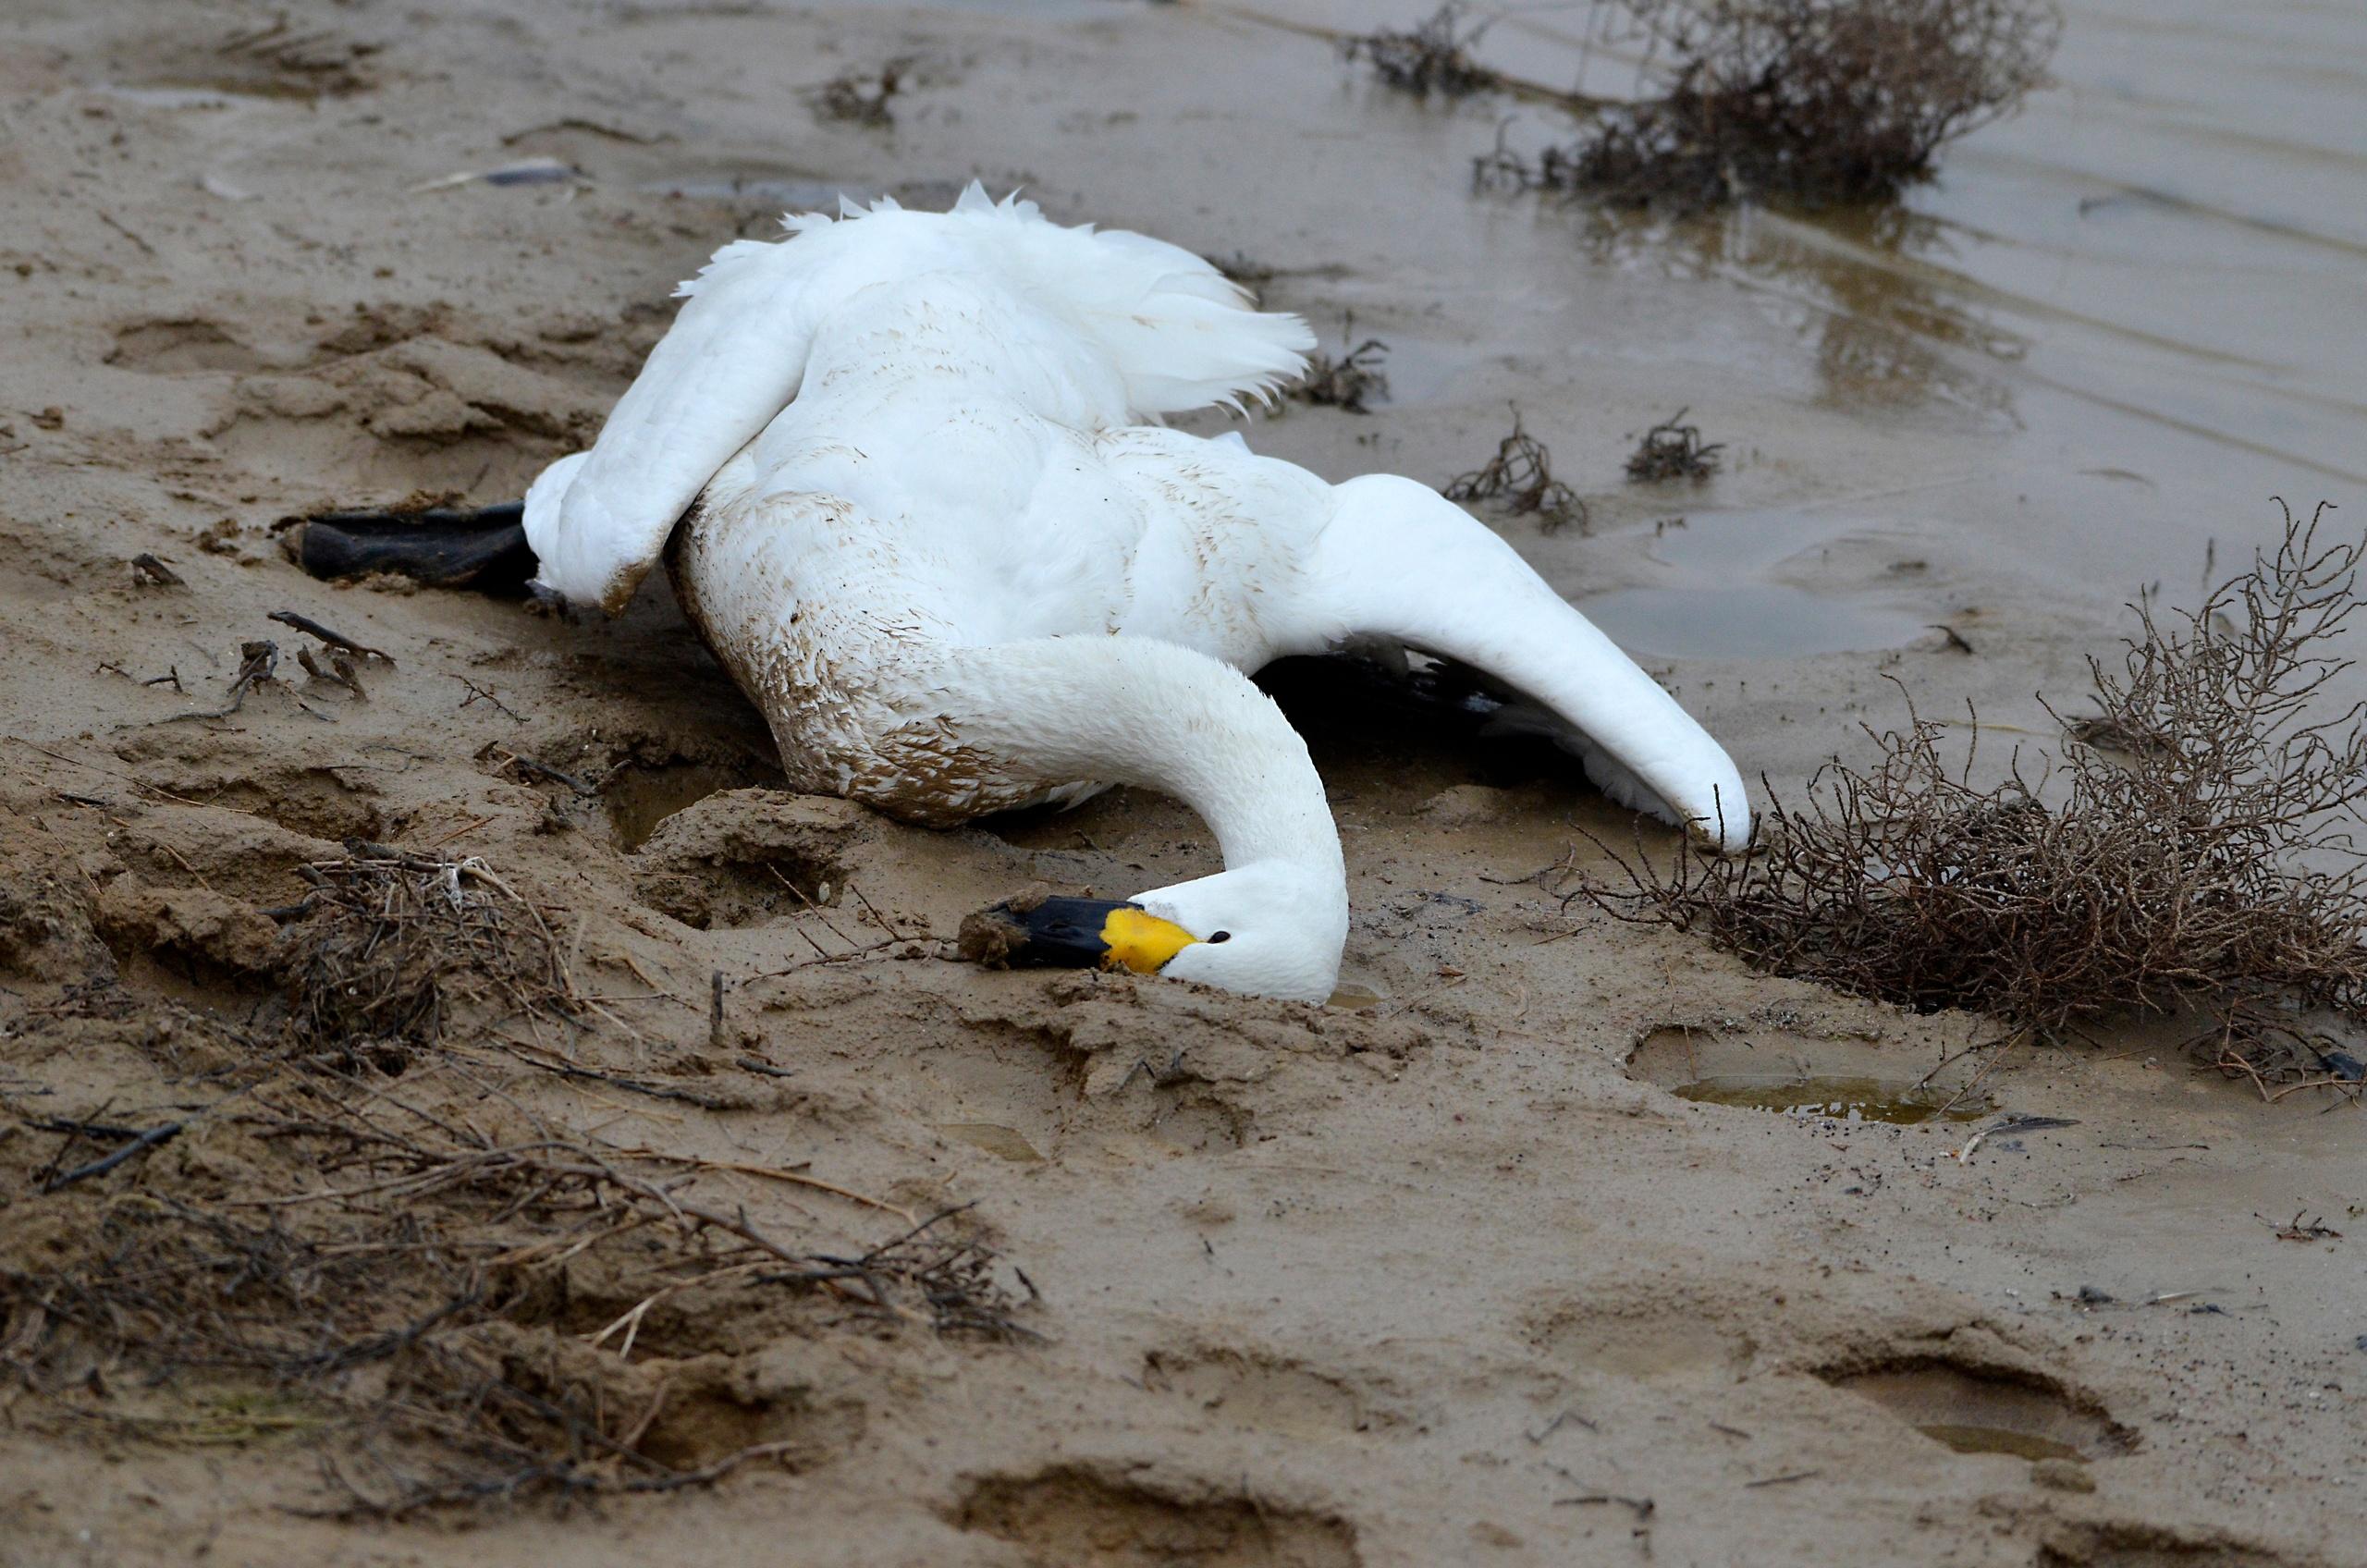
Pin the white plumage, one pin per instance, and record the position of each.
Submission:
(930, 536)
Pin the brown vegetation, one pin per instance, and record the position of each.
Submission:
(1810, 100)
(2190, 855)
(1431, 56)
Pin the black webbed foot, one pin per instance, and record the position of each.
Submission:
(483, 549)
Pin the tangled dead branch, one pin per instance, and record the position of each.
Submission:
(1519, 479)
(1812, 99)
(1433, 55)
(2192, 854)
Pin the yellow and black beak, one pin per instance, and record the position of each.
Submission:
(1057, 933)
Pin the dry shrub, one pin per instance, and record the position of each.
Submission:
(1812, 99)
(1432, 56)
(2190, 855)
(1519, 479)
(1673, 449)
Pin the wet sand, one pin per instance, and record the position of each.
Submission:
(1459, 1279)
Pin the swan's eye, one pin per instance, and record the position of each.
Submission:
(1221, 937)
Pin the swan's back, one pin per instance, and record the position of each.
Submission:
(1170, 332)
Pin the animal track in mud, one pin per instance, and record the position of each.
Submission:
(1075, 1517)
(1976, 1408)
(176, 347)
(1671, 1341)
(1266, 1393)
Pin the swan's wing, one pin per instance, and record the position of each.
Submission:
(731, 360)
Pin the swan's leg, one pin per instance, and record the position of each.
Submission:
(484, 548)
(1399, 560)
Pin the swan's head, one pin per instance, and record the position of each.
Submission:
(1270, 929)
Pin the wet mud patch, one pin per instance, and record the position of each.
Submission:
(1072, 1517)
(1848, 1080)
(1975, 1407)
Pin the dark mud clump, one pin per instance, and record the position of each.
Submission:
(1519, 480)
(2197, 865)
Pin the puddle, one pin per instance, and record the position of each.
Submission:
(1850, 1080)
(1352, 997)
(1762, 620)
(1999, 1439)
(1896, 1101)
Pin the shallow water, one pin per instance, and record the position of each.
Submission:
(1843, 1098)
(2109, 332)
(1966, 1438)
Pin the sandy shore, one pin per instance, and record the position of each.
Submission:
(1454, 1278)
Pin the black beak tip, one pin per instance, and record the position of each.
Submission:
(1040, 933)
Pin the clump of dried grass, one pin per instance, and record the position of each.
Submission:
(393, 943)
(1810, 100)
(2192, 855)
(1519, 479)
(1673, 449)
(1433, 55)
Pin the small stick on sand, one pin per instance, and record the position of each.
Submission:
(338, 640)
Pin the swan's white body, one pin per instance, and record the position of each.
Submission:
(930, 535)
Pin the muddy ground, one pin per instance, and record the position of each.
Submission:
(1451, 1276)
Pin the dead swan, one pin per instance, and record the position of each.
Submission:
(912, 508)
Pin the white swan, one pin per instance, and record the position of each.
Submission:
(915, 511)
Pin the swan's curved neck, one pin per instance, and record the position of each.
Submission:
(1134, 710)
